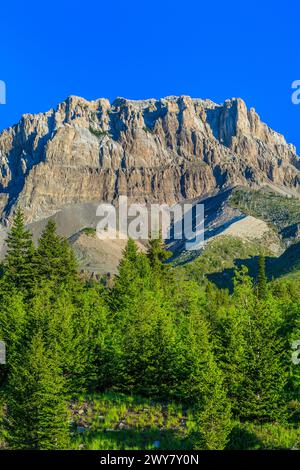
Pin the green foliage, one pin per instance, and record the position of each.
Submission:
(54, 257)
(280, 211)
(262, 278)
(98, 133)
(176, 360)
(220, 255)
(90, 231)
(157, 256)
(213, 413)
(253, 354)
(37, 413)
(18, 265)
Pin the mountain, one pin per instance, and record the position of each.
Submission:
(64, 162)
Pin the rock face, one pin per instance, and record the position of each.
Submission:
(163, 150)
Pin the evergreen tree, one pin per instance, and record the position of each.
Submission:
(147, 346)
(157, 255)
(204, 387)
(130, 252)
(36, 412)
(19, 267)
(54, 257)
(134, 274)
(232, 323)
(252, 353)
(212, 412)
(75, 326)
(262, 278)
(262, 392)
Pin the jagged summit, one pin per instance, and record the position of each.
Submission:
(163, 150)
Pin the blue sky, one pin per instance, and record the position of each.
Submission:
(137, 49)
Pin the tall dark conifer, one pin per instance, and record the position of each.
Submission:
(158, 255)
(55, 258)
(36, 412)
(18, 265)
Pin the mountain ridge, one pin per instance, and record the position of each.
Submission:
(165, 150)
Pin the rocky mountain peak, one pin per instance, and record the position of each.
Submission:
(163, 150)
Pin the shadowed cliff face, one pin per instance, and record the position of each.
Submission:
(163, 150)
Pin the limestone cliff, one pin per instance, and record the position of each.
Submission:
(162, 150)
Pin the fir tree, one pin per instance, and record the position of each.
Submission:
(147, 345)
(252, 353)
(233, 322)
(265, 374)
(157, 255)
(212, 411)
(19, 267)
(262, 278)
(36, 413)
(54, 257)
(134, 275)
(204, 387)
(130, 252)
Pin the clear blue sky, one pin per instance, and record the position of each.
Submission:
(137, 49)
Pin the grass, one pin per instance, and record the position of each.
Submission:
(90, 231)
(217, 262)
(116, 421)
(221, 256)
(250, 436)
(279, 211)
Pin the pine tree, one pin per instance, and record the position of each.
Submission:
(262, 278)
(75, 326)
(54, 257)
(252, 353)
(157, 255)
(36, 413)
(204, 387)
(232, 323)
(147, 345)
(19, 267)
(134, 275)
(212, 411)
(265, 374)
(130, 252)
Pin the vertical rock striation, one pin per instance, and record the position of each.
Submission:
(163, 150)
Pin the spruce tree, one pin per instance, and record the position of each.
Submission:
(54, 257)
(262, 392)
(72, 325)
(147, 344)
(130, 252)
(19, 266)
(36, 408)
(212, 411)
(231, 324)
(252, 353)
(157, 255)
(134, 274)
(204, 387)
